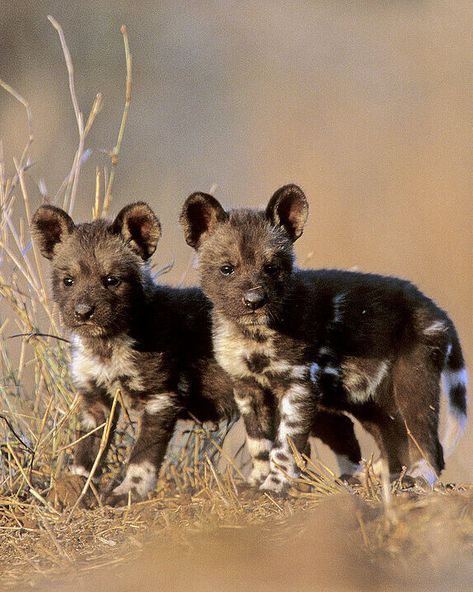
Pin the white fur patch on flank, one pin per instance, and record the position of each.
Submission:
(79, 470)
(456, 419)
(347, 466)
(159, 403)
(338, 307)
(422, 469)
(314, 372)
(140, 478)
(374, 379)
(331, 370)
(435, 327)
(86, 367)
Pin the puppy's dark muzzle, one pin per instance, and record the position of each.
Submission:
(83, 312)
(255, 299)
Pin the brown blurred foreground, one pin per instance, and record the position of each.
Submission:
(345, 543)
(369, 108)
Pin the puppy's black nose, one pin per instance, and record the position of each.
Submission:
(255, 299)
(83, 311)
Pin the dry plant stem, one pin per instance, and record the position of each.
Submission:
(94, 111)
(57, 427)
(227, 457)
(412, 437)
(271, 499)
(124, 409)
(26, 201)
(116, 150)
(29, 117)
(19, 245)
(35, 493)
(72, 444)
(36, 334)
(75, 172)
(12, 429)
(215, 476)
(102, 447)
(96, 208)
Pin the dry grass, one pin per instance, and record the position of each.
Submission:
(202, 525)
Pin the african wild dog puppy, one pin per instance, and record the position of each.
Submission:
(300, 340)
(152, 342)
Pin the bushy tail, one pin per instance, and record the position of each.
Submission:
(454, 377)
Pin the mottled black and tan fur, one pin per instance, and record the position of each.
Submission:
(152, 342)
(300, 341)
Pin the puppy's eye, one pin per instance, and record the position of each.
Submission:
(68, 281)
(271, 270)
(227, 269)
(112, 281)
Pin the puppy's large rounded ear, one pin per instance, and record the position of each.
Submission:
(140, 228)
(49, 226)
(288, 208)
(201, 213)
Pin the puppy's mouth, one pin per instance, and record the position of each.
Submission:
(254, 318)
(88, 329)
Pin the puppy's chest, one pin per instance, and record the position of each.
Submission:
(259, 354)
(117, 367)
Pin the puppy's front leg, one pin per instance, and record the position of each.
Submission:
(156, 428)
(95, 408)
(296, 410)
(257, 409)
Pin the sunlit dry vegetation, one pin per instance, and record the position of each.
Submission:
(203, 525)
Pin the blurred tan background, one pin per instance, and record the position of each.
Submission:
(368, 106)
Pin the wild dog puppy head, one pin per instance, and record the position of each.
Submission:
(246, 256)
(98, 274)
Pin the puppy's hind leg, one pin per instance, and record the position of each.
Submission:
(417, 394)
(337, 431)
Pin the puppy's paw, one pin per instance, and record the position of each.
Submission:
(140, 480)
(352, 480)
(66, 491)
(275, 484)
(118, 500)
(257, 476)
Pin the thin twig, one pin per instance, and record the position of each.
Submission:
(75, 172)
(102, 448)
(12, 429)
(29, 117)
(116, 150)
(37, 334)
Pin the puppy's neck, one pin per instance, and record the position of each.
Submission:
(102, 347)
(259, 333)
